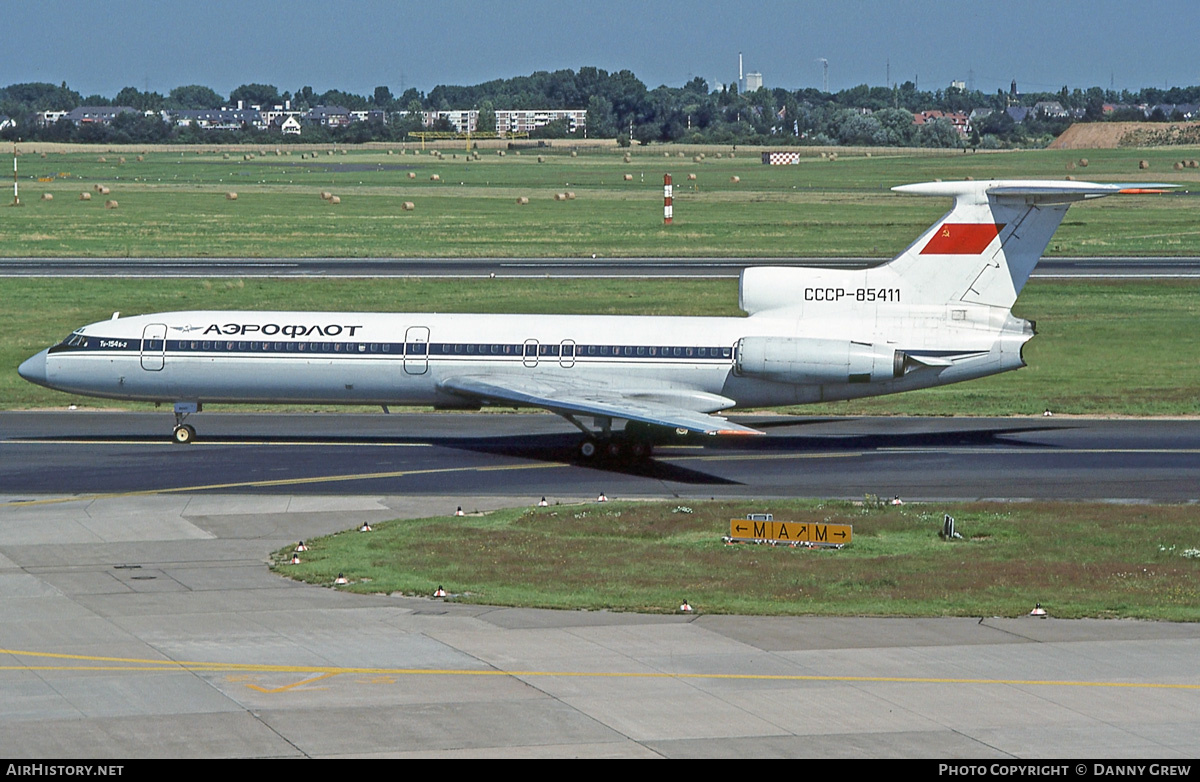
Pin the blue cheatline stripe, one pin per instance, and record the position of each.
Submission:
(299, 349)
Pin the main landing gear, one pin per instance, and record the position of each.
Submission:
(185, 434)
(616, 448)
(634, 444)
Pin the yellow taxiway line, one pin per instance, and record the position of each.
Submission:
(318, 673)
(370, 476)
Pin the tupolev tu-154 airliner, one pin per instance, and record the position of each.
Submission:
(938, 313)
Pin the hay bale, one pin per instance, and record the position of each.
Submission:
(732, 155)
(391, 152)
(110, 204)
(735, 179)
(345, 152)
(629, 177)
(1178, 166)
(334, 200)
(560, 196)
(541, 159)
(121, 161)
(85, 196)
(326, 195)
(570, 195)
(225, 156)
(696, 159)
(522, 200)
(408, 206)
(412, 175)
(666, 154)
(1143, 164)
(718, 156)
(691, 177)
(101, 160)
(434, 178)
(140, 158)
(231, 196)
(574, 153)
(1070, 178)
(679, 154)
(1193, 163)
(1083, 162)
(47, 196)
(102, 190)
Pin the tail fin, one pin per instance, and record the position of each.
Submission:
(981, 252)
(984, 249)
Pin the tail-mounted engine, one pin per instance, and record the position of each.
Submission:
(805, 361)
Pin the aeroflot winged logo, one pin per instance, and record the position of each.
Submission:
(273, 329)
(962, 238)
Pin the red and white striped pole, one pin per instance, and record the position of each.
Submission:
(668, 209)
(16, 198)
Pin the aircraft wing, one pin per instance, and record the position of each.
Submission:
(678, 409)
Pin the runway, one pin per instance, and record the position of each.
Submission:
(720, 268)
(140, 619)
(533, 455)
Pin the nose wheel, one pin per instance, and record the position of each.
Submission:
(184, 434)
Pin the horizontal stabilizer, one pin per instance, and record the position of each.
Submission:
(1036, 191)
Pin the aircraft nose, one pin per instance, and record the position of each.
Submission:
(33, 369)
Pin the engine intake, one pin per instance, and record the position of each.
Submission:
(807, 361)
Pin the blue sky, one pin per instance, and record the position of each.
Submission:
(355, 45)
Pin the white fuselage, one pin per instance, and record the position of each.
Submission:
(402, 358)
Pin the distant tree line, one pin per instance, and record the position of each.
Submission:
(619, 106)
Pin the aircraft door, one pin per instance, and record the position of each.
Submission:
(566, 353)
(530, 357)
(154, 347)
(416, 350)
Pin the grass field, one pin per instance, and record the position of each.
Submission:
(1103, 348)
(1078, 560)
(172, 203)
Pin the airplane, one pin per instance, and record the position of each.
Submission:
(938, 313)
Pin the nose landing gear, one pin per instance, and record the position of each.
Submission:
(185, 434)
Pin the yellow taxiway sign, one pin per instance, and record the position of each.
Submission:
(791, 532)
